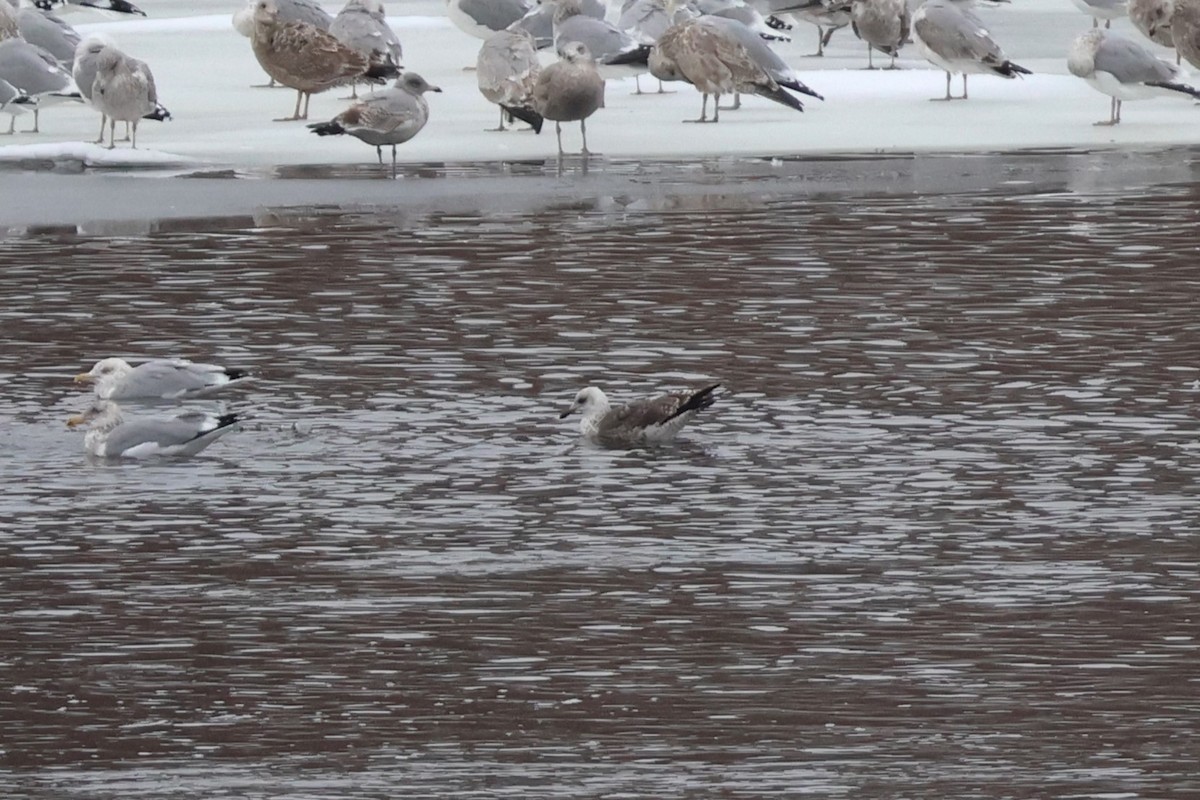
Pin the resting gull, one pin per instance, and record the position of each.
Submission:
(390, 117)
(951, 37)
(1106, 10)
(1124, 70)
(159, 379)
(883, 24)
(1185, 30)
(507, 70)
(651, 420)
(14, 102)
(722, 56)
(34, 71)
(124, 89)
(111, 435)
(307, 58)
(569, 89)
(362, 24)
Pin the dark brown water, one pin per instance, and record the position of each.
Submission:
(937, 539)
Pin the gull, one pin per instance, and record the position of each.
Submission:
(124, 89)
(50, 33)
(506, 70)
(14, 102)
(1153, 19)
(646, 421)
(1124, 70)
(306, 11)
(112, 435)
(1106, 10)
(34, 71)
(9, 29)
(306, 58)
(569, 89)
(482, 18)
(1185, 30)
(645, 21)
(539, 22)
(158, 379)
(390, 117)
(883, 24)
(111, 6)
(749, 16)
(828, 16)
(953, 38)
(617, 54)
(83, 71)
(721, 56)
(362, 24)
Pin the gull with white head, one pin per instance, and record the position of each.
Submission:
(1124, 70)
(112, 435)
(159, 379)
(646, 421)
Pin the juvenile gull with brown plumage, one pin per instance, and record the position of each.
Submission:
(646, 421)
(506, 71)
(307, 59)
(568, 90)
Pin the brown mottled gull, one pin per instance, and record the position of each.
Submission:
(307, 59)
(570, 89)
(651, 420)
(507, 70)
(883, 24)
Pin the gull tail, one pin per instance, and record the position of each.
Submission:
(779, 96)
(1176, 87)
(331, 128)
(525, 115)
(1010, 70)
(638, 55)
(697, 401)
(778, 24)
(235, 374)
(380, 71)
(159, 114)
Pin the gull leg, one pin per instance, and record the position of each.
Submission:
(1114, 114)
(34, 129)
(112, 131)
(295, 114)
(583, 133)
(870, 57)
(125, 138)
(637, 82)
(393, 162)
(271, 85)
(964, 97)
(662, 90)
(737, 102)
(307, 98)
(133, 137)
(703, 110)
(716, 108)
(947, 97)
(103, 121)
(558, 133)
(379, 154)
(501, 128)
(12, 125)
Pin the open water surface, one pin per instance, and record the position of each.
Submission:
(938, 538)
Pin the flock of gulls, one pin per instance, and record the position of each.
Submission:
(720, 47)
(113, 433)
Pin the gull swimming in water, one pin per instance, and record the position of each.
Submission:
(306, 58)
(646, 421)
(390, 117)
(1106, 10)
(951, 37)
(124, 89)
(112, 435)
(158, 379)
(883, 24)
(1124, 70)
(506, 70)
(568, 90)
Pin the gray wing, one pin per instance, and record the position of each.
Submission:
(165, 378)
(638, 415)
(645, 20)
(175, 432)
(1129, 62)
(306, 11)
(139, 66)
(603, 40)
(957, 35)
(756, 48)
(538, 23)
(30, 68)
(496, 15)
(50, 33)
(507, 67)
(358, 28)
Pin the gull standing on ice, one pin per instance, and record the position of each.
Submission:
(124, 90)
(721, 56)
(362, 24)
(158, 379)
(829, 16)
(1153, 19)
(111, 435)
(647, 421)
(390, 117)
(954, 39)
(883, 24)
(616, 53)
(1185, 30)
(34, 71)
(507, 70)
(306, 11)
(1124, 70)
(306, 58)
(14, 102)
(83, 72)
(568, 90)
(1106, 10)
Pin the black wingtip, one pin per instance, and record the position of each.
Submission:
(797, 86)
(159, 114)
(780, 96)
(1176, 87)
(640, 55)
(699, 400)
(225, 420)
(526, 115)
(331, 128)
(381, 71)
(235, 374)
(1010, 70)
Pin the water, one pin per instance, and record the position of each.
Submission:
(937, 538)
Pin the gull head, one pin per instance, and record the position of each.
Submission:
(266, 11)
(105, 370)
(575, 53)
(588, 402)
(413, 83)
(101, 414)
